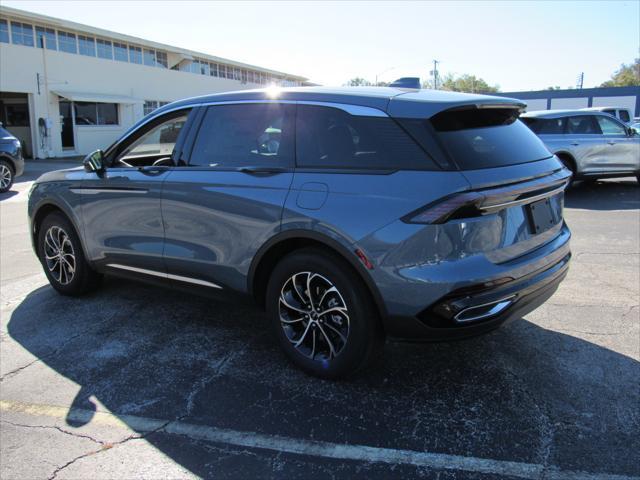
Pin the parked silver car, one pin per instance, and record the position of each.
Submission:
(591, 144)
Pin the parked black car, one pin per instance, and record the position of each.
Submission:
(11, 161)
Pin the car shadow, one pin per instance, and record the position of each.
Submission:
(8, 194)
(619, 194)
(520, 393)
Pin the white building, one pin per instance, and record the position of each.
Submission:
(67, 89)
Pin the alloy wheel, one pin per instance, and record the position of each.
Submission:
(59, 255)
(5, 176)
(314, 316)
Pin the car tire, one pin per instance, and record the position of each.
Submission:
(338, 343)
(62, 257)
(7, 175)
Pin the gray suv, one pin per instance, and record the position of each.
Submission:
(591, 144)
(348, 214)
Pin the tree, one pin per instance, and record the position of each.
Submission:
(358, 82)
(553, 88)
(463, 83)
(625, 76)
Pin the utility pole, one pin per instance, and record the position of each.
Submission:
(580, 81)
(434, 72)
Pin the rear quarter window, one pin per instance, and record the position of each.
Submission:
(487, 138)
(331, 138)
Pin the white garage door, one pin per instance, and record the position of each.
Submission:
(569, 103)
(622, 102)
(536, 104)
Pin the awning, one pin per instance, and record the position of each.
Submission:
(96, 97)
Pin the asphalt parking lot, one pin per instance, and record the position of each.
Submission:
(136, 382)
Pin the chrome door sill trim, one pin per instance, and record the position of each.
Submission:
(168, 276)
(95, 191)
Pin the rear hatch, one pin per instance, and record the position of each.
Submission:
(515, 183)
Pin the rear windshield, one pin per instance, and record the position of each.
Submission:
(486, 138)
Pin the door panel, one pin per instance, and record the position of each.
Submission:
(219, 210)
(122, 205)
(620, 153)
(215, 222)
(122, 219)
(585, 140)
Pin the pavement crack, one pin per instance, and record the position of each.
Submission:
(56, 351)
(50, 427)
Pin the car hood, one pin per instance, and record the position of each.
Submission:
(59, 175)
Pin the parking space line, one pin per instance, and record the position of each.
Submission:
(309, 447)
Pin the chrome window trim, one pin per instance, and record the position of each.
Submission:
(356, 110)
(164, 275)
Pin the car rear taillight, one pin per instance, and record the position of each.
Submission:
(458, 205)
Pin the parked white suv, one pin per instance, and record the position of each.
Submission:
(622, 114)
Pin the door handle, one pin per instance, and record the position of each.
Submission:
(575, 144)
(263, 170)
(611, 143)
(153, 169)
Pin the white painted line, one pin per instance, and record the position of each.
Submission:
(312, 448)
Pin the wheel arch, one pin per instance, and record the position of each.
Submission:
(10, 160)
(568, 156)
(41, 212)
(286, 242)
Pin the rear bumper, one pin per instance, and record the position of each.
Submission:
(482, 306)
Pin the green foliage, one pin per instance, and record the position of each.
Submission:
(463, 83)
(625, 76)
(358, 82)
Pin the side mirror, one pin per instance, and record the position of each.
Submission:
(94, 162)
(632, 131)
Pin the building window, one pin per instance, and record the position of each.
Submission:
(204, 68)
(22, 34)
(222, 71)
(120, 52)
(105, 49)
(67, 42)
(244, 76)
(135, 54)
(91, 113)
(86, 46)
(4, 31)
(151, 105)
(213, 69)
(161, 59)
(149, 57)
(46, 38)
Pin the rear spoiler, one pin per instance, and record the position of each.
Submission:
(427, 103)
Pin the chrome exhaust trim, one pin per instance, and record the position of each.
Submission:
(486, 310)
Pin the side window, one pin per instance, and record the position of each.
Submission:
(241, 135)
(624, 115)
(583, 125)
(155, 146)
(610, 127)
(551, 126)
(331, 138)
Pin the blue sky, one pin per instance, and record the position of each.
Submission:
(518, 45)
